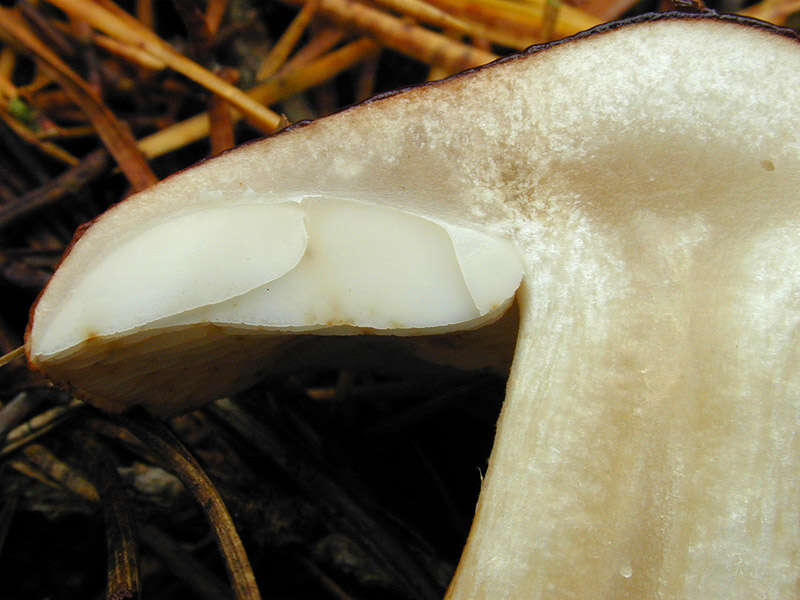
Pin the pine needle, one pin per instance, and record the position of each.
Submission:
(9, 356)
(412, 40)
(115, 134)
(519, 20)
(8, 60)
(323, 41)
(774, 11)
(427, 13)
(273, 90)
(126, 29)
(284, 46)
(30, 137)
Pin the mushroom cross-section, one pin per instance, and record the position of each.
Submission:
(640, 180)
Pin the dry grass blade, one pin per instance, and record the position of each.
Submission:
(128, 30)
(414, 41)
(175, 457)
(115, 134)
(279, 87)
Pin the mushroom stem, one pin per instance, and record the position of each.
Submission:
(647, 447)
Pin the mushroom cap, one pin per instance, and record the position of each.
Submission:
(624, 118)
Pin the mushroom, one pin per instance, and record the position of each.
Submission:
(640, 181)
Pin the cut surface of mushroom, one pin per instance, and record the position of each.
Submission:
(644, 179)
(316, 264)
(185, 309)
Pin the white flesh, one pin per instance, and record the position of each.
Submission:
(371, 267)
(649, 179)
(179, 311)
